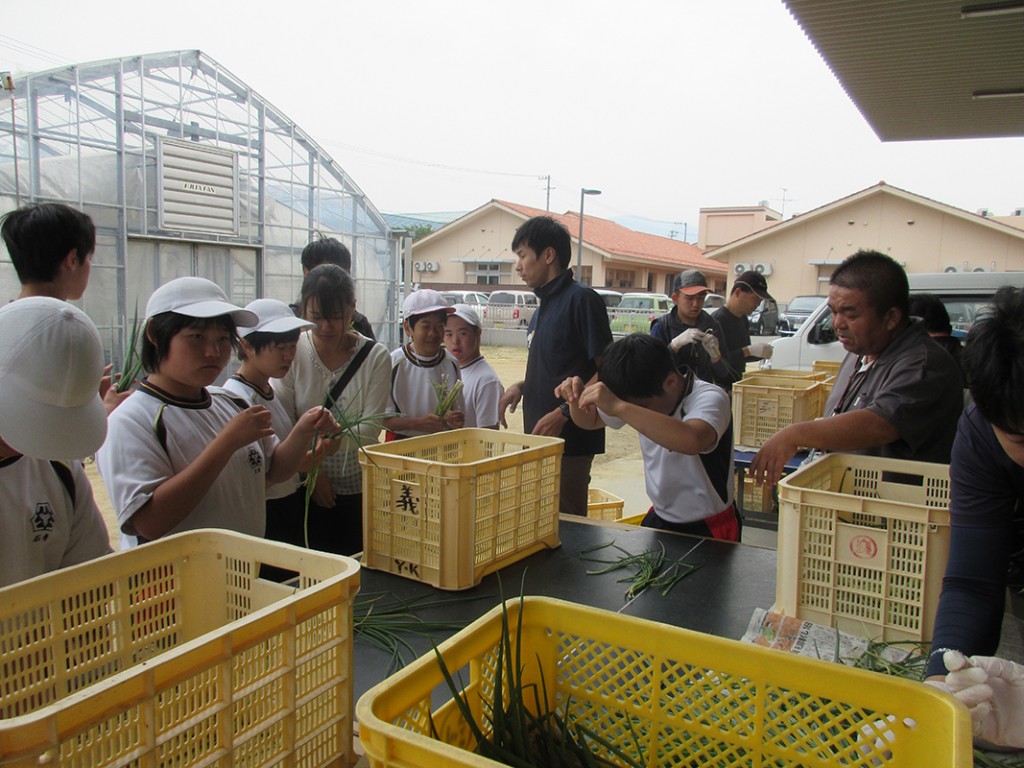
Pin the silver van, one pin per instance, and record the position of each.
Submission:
(963, 293)
(510, 309)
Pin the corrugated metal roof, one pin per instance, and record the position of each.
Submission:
(914, 67)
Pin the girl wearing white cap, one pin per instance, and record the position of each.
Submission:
(179, 456)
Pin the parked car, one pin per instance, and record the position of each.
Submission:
(477, 300)
(510, 309)
(965, 294)
(637, 311)
(797, 311)
(764, 321)
(713, 301)
(609, 297)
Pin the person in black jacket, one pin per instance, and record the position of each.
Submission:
(328, 250)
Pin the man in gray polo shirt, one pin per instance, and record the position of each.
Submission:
(898, 394)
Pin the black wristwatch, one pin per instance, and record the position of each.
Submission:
(564, 408)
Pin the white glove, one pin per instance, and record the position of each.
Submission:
(760, 349)
(710, 344)
(689, 336)
(993, 690)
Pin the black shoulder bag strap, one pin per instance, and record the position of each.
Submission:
(346, 377)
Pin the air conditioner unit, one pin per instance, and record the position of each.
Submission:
(951, 268)
(739, 269)
(432, 266)
(978, 269)
(418, 266)
(763, 269)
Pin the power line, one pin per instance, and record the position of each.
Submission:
(428, 163)
(21, 46)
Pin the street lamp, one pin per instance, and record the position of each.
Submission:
(579, 251)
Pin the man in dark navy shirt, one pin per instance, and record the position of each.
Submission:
(566, 337)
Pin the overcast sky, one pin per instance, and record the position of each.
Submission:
(437, 105)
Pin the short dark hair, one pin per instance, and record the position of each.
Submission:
(636, 366)
(332, 287)
(39, 237)
(879, 277)
(993, 359)
(326, 250)
(259, 340)
(543, 232)
(932, 311)
(160, 329)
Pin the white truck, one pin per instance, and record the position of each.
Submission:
(963, 293)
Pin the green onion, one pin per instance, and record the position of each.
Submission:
(446, 395)
(132, 360)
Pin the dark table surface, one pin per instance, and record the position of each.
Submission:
(718, 598)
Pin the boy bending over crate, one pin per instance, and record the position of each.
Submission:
(685, 427)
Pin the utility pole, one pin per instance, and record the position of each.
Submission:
(547, 204)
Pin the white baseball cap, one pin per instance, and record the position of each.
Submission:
(423, 302)
(467, 313)
(196, 297)
(51, 362)
(274, 317)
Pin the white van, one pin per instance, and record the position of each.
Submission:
(963, 293)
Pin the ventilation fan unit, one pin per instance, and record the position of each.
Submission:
(951, 268)
(763, 269)
(739, 269)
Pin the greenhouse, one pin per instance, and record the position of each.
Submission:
(185, 170)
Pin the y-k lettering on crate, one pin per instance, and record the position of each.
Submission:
(407, 569)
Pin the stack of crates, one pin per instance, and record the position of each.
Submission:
(178, 653)
(449, 508)
(762, 405)
(863, 544)
(647, 693)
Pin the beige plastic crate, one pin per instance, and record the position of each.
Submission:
(661, 696)
(826, 367)
(762, 405)
(450, 508)
(863, 544)
(786, 373)
(177, 653)
(755, 498)
(602, 505)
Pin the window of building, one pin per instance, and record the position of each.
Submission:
(488, 273)
(619, 278)
(586, 275)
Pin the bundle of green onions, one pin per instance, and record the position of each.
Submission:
(522, 728)
(446, 395)
(132, 360)
(388, 622)
(349, 423)
(650, 568)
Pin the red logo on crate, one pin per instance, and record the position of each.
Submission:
(863, 547)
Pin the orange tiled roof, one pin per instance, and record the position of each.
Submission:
(619, 241)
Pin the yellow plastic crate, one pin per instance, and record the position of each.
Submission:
(450, 508)
(685, 697)
(826, 392)
(602, 505)
(176, 653)
(863, 544)
(762, 405)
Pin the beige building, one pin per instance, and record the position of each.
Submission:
(476, 250)
(798, 255)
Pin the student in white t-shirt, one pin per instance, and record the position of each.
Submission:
(420, 366)
(267, 350)
(180, 456)
(51, 416)
(685, 427)
(482, 388)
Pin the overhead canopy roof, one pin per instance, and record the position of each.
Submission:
(924, 69)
